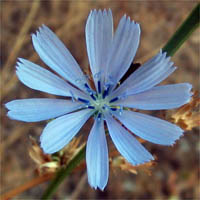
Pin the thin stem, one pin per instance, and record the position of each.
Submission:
(183, 32)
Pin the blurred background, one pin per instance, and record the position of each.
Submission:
(176, 172)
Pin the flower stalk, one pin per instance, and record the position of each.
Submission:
(191, 23)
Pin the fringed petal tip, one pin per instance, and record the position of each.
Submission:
(101, 10)
(20, 60)
(190, 92)
(34, 37)
(20, 63)
(9, 115)
(42, 27)
(132, 22)
(7, 105)
(189, 87)
(97, 187)
(109, 12)
(15, 116)
(176, 140)
(144, 162)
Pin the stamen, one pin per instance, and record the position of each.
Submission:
(90, 91)
(99, 116)
(113, 109)
(93, 97)
(91, 107)
(105, 93)
(99, 87)
(86, 85)
(113, 100)
(83, 100)
(108, 85)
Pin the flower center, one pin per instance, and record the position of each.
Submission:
(100, 103)
(99, 100)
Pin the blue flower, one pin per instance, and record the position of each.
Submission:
(110, 56)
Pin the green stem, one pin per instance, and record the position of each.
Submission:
(183, 32)
(63, 173)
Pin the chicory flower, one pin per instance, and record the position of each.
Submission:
(110, 55)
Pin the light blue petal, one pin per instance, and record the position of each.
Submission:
(43, 80)
(98, 31)
(97, 156)
(150, 128)
(33, 110)
(159, 97)
(148, 75)
(54, 53)
(60, 131)
(126, 143)
(123, 50)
